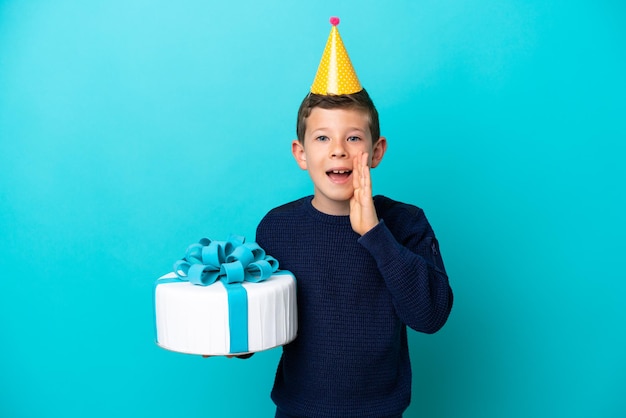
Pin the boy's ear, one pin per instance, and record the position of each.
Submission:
(297, 149)
(378, 151)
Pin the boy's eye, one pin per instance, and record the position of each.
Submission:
(353, 139)
(322, 138)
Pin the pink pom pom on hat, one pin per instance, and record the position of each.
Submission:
(335, 74)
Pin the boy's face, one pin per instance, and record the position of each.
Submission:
(333, 138)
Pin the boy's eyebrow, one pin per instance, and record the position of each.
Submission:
(353, 129)
(319, 130)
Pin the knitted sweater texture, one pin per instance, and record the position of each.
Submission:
(356, 296)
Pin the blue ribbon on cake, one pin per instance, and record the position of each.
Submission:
(231, 262)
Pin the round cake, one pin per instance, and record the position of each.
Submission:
(205, 319)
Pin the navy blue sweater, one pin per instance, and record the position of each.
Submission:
(356, 295)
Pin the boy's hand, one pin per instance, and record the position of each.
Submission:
(242, 356)
(363, 215)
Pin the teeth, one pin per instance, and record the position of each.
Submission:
(341, 171)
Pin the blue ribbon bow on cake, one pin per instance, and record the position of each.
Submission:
(231, 262)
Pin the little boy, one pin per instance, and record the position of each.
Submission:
(366, 266)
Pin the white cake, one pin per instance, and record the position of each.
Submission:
(195, 319)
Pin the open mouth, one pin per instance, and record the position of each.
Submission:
(339, 175)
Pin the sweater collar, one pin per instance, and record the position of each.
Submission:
(323, 217)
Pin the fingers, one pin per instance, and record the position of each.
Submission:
(360, 171)
(363, 215)
(365, 172)
(356, 176)
(242, 356)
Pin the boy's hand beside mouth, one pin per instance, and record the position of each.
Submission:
(363, 215)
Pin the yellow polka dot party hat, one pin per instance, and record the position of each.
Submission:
(335, 74)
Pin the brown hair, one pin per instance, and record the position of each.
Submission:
(359, 101)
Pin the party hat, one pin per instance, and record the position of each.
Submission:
(335, 74)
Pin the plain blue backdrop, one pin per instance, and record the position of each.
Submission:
(130, 129)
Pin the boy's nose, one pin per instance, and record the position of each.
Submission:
(338, 150)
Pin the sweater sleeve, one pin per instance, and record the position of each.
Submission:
(414, 274)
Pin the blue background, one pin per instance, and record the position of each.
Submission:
(130, 129)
